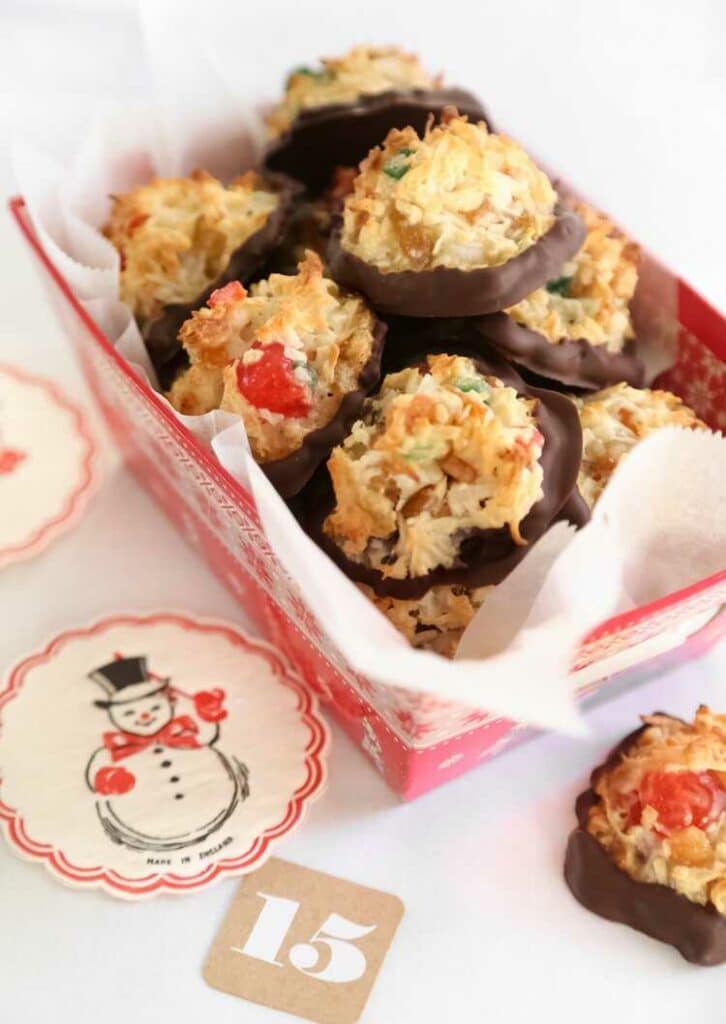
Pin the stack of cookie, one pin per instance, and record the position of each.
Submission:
(431, 349)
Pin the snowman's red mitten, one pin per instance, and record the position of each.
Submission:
(113, 781)
(208, 705)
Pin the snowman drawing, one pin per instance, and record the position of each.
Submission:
(161, 782)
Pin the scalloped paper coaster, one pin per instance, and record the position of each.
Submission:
(47, 463)
(155, 753)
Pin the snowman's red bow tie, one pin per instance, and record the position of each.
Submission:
(179, 732)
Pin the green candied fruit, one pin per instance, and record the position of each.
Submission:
(421, 453)
(472, 384)
(311, 374)
(559, 286)
(320, 75)
(397, 166)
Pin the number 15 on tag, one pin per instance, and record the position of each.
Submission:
(345, 963)
(304, 942)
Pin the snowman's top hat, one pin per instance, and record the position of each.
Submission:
(125, 680)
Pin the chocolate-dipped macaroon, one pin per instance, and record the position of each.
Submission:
(576, 329)
(613, 421)
(436, 621)
(457, 221)
(181, 238)
(650, 847)
(294, 356)
(334, 114)
(447, 477)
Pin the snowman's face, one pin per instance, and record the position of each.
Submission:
(143, 717)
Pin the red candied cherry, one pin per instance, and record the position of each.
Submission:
(630, 806)
(227, 293)
(113, 781)
(681, 799)
(270, 383)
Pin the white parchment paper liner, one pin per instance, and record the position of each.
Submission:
(515, 655)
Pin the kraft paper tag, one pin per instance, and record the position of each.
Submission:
(305, 942)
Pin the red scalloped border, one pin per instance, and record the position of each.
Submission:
(98, 877)
(76, 501)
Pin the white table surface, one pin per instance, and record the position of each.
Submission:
(489, 929)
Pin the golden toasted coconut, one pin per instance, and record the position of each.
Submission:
(459, 197)
(436, 621)
(282, 355)
(590, 298)
(662, 808)
(363, 71)
(196, 391)
(614, 420)
(176, 235)
(441, 450)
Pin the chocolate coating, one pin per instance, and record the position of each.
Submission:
(486, 556)
(342, 134)
(308, 227)
(289, 475)
(161, 334)
(575, 510)
(571, 361)
(411, 339)
(698, 933)
(450, 292)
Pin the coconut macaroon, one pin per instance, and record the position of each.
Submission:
(293, 356)
(176, 236)
(577, 328)
(660, 811)
(458, 221)
(458, 197)
(590, 298)
(336, 113)
(444, 466)
(614, 420)
(363, 71)
(436, 621)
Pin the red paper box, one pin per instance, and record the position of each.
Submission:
(416, 741)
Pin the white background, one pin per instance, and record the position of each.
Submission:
(628, 101)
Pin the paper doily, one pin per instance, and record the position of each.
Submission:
(47, 457)
(155, 753)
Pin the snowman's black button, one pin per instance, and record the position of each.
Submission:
(166, 764)
(158, 750)
(174, 778)
(178, 796)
